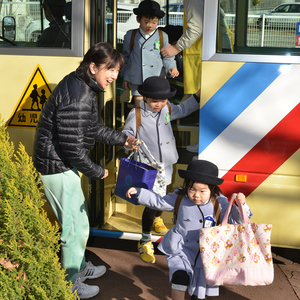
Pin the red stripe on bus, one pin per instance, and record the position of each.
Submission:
(266, 156)
(159, 240)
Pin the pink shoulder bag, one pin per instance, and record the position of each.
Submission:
(238, 254)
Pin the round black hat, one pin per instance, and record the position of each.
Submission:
(201, 171)
(156, 87)
(149, 7)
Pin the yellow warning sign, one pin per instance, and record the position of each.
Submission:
(29, 106)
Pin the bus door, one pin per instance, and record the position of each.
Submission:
(120, 218)
(249, 110)
(99, 192)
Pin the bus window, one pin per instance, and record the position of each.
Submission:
(57, 34)
(261, 27)
(225, 35)
(43, 26)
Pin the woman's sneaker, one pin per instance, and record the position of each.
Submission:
(90, 272)
(146, 251)
(159, 226)
(85, 291)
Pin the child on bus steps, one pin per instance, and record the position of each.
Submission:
(156, 131)
(196, 210)
(141, 50)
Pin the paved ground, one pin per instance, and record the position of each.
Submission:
(128, 278)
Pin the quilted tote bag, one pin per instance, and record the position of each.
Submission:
(145, 156)
(134, 174)
(238, 254)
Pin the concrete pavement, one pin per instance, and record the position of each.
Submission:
(288, 260)
(129, 278)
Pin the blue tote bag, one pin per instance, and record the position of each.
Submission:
(134, 174)
(145, 156)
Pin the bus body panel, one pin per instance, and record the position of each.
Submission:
(249, 127)
(18, 79)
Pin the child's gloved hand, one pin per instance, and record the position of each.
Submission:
(173, 72)
(131, 191)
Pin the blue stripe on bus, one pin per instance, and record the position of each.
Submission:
(106, 233)
(233, 98)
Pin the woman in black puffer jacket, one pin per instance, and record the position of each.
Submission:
(67, 129)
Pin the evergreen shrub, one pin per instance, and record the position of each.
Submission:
(29, 263)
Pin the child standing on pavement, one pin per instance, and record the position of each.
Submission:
(156, 131)
(142, 54)
(196, 210)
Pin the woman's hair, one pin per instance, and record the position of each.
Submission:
(215, 190)
(100, 54)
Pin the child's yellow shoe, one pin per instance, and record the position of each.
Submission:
(159, 226)
(146, 251)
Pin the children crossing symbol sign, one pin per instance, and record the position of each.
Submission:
(29, 106)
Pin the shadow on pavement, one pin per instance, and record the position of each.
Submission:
(287, 253)
(113, 285)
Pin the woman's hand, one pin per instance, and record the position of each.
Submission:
(240, 197)
(169, 51)
(105, 175)
(131, 191)
(132, 143)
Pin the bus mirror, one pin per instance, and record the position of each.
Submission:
(9, 28)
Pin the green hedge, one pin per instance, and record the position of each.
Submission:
(29, 264)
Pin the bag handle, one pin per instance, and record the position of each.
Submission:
(147, 152)
(242, 210)
(132, 158)
(143, 147)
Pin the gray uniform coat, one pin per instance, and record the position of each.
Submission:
(181, 243)
(145, 59)
(156, 131)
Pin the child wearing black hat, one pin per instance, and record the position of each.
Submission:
(196, 210)
(156, 131)
(141, 50)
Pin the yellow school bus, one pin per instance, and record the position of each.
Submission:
(247, 123)
(31, 70)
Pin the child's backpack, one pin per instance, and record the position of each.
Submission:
(138, 116)
(161, 38)
(177, 203)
